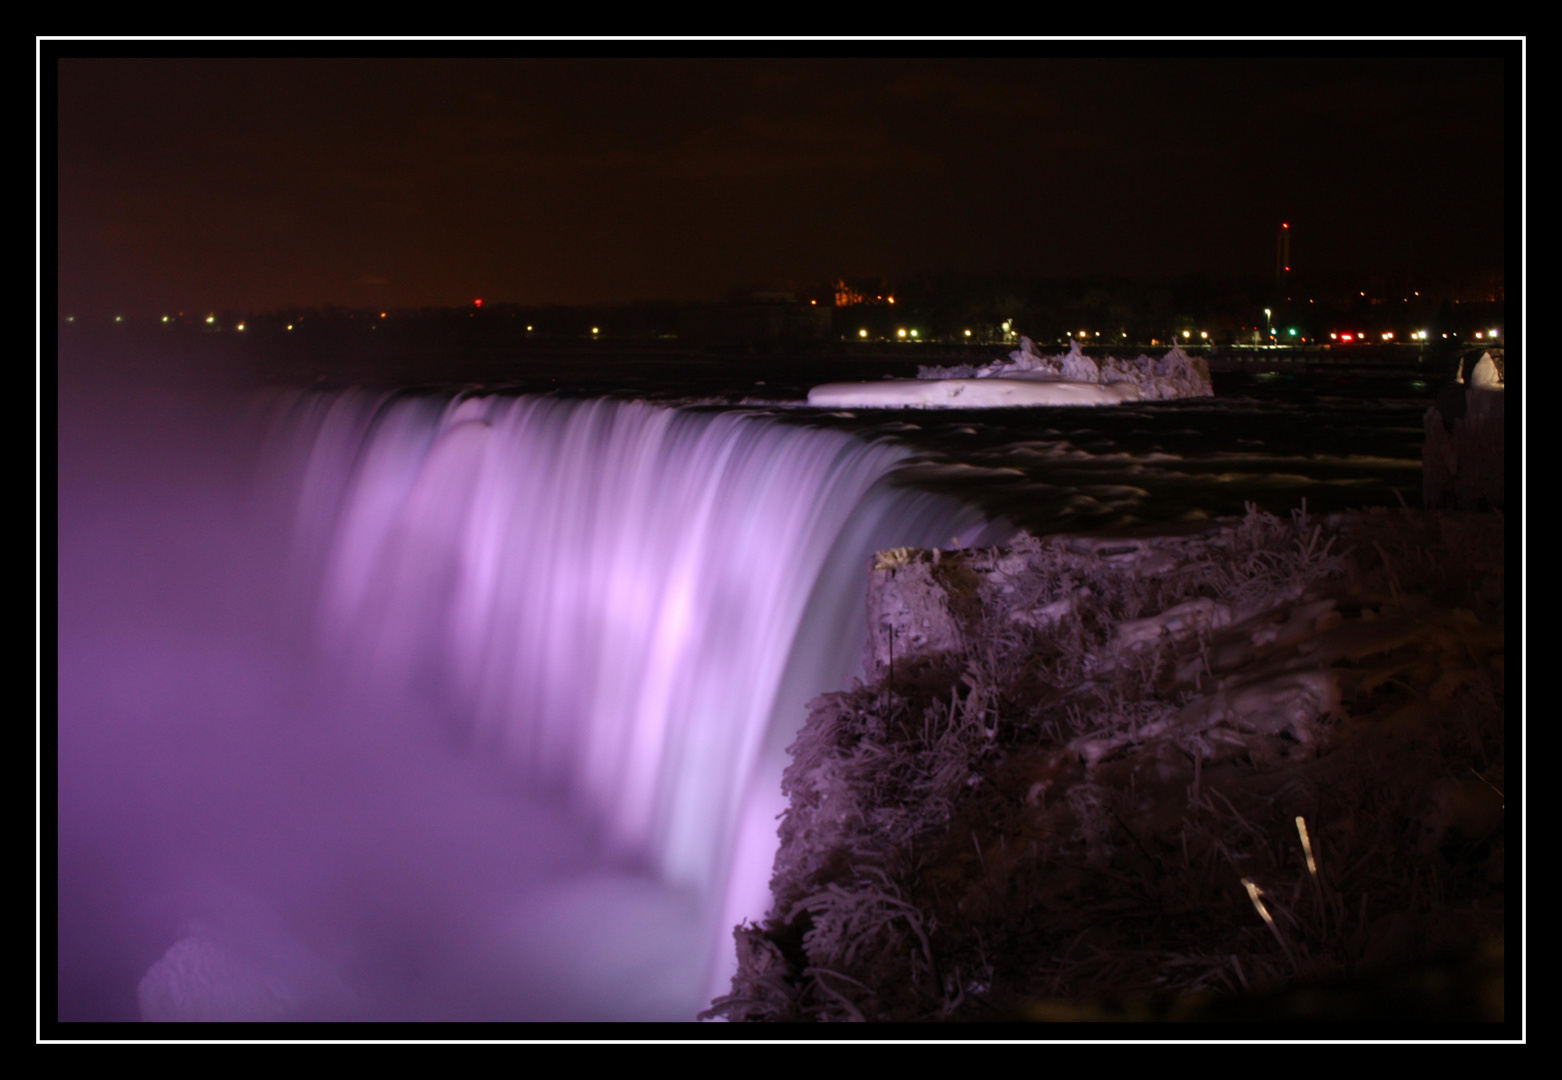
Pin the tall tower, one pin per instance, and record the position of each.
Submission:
(1283, 254)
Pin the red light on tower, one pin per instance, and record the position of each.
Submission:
(478, 302)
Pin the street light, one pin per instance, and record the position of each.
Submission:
(1268, 325)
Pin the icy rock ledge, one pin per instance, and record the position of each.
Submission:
(1029, 378)
(1076, 762)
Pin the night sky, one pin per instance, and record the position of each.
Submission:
(257, 183)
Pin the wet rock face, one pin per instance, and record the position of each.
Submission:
(1463, 458)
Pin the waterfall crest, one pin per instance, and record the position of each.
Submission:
(613, 597)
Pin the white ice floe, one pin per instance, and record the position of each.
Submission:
(966, 394)
(254, 975)
(1029, 378)
(1463, 457)
(1485, 376)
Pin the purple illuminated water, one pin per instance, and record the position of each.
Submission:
(605, 595)
(464, 707)
(469, 708)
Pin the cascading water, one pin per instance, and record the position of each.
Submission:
(620, 607)
(606, 593)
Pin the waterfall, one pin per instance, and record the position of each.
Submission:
(625, 605)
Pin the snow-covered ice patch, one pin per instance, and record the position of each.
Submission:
(1027, 378)
(966, 394)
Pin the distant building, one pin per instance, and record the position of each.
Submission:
(850, 296)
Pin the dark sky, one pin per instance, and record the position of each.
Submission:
(258, 183)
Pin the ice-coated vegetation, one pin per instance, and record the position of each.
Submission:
(1169, 772)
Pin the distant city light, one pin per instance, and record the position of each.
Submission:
(528, 329)
(1187, 333)
(121, 318)
(241, 326)
(968, 333)
(862, 333)
(1491, 333)
(913, 333)
(290, 326)
(1388, 335)
(211, 318)
(1205, 334)
(595, 330)
(1292, 331)
(900, 333)
(70, 318)
(165, 318)
(382, 314)
(892, 299)
(1477, 333)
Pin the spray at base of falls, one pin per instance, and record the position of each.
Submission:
(628, 605)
